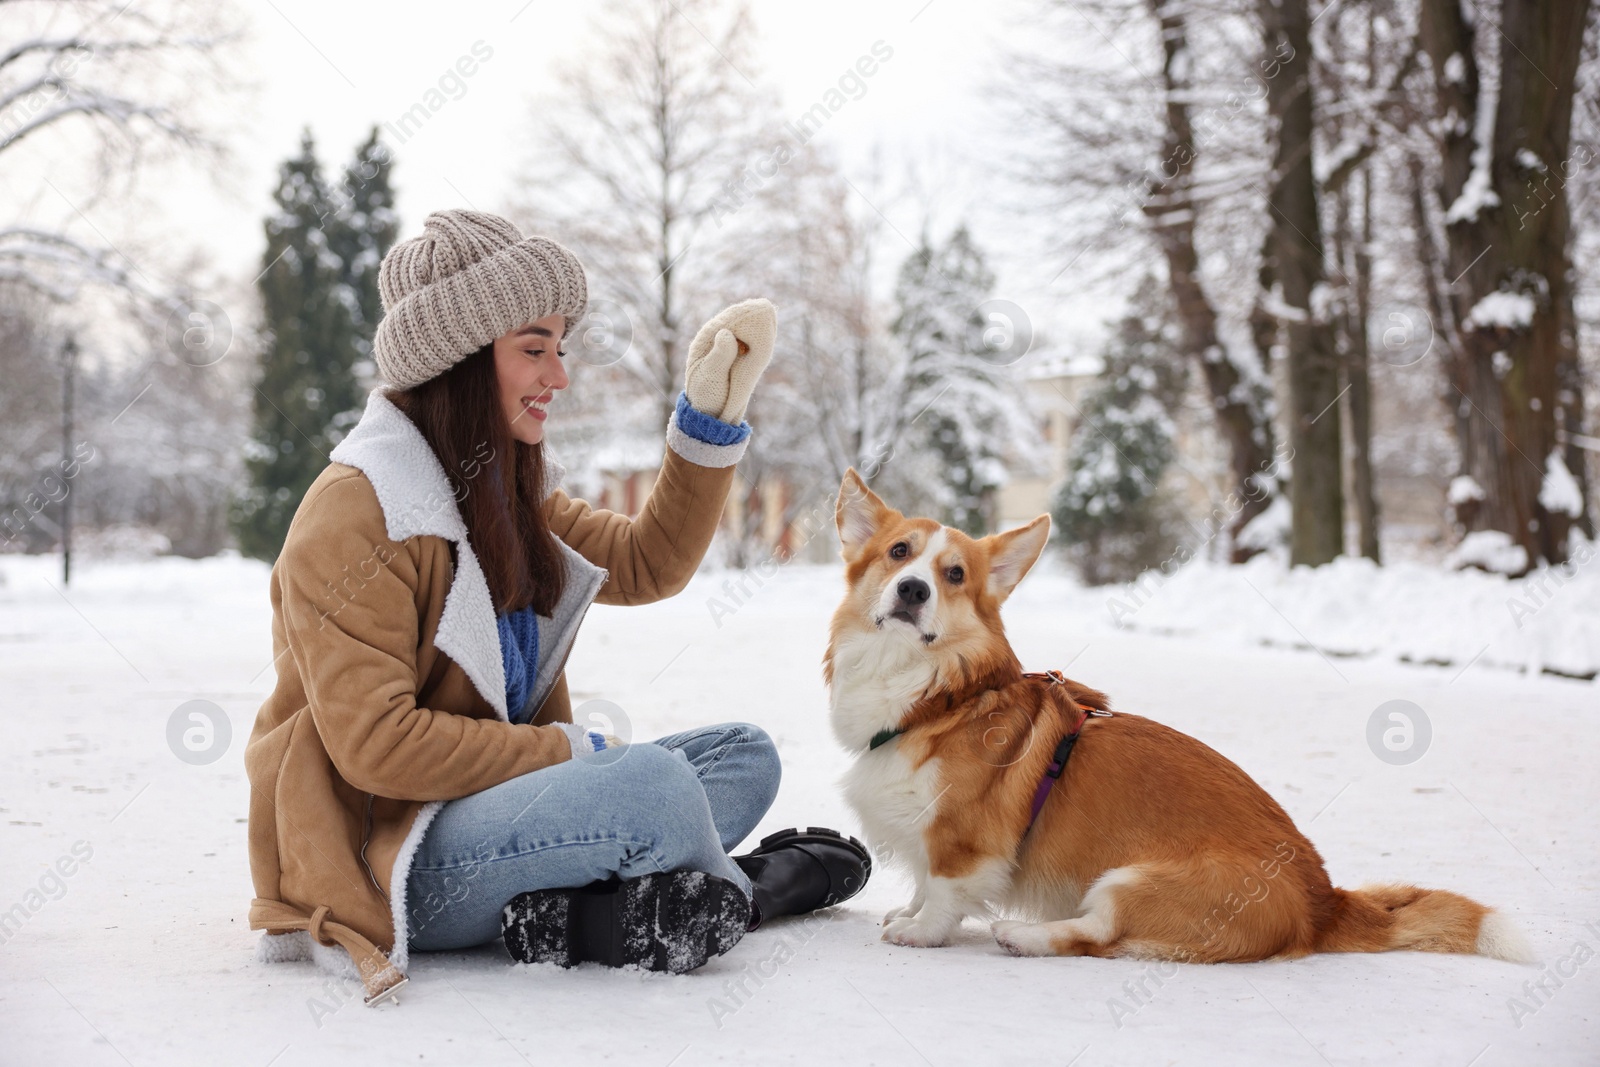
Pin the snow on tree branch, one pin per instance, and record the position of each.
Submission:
(112, 77)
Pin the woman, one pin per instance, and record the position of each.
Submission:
(416, 779)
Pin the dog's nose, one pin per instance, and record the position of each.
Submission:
(912, 591)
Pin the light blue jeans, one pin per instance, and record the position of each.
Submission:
(677, 803)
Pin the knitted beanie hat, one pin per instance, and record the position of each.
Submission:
(469, 278)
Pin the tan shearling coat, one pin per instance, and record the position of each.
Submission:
(390, 694)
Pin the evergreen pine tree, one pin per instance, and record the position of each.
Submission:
(1110, 511)
(319, 299)
(954, 388)
(366, 228)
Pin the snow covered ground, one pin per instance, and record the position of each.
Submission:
(141, 955)
(1548, 622)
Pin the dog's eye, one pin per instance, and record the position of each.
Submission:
(900, 550)
(955, 574)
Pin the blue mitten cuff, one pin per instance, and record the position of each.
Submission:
(705, 439)
(584, 742)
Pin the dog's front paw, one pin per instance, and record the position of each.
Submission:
(916, 933)
(904, 911)
(1021, 939)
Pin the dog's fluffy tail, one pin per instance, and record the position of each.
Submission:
(1377, 918)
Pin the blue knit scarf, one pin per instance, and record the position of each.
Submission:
(519, 652)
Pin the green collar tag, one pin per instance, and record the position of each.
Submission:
(883, 737)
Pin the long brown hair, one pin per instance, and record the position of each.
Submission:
(461, 416)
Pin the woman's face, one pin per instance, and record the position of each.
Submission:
(527, 364)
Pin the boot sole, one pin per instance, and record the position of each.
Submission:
(671, 922)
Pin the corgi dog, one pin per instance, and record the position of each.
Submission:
(1129, 839)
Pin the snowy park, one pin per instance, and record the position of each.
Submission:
(141, 955)
(410, 412)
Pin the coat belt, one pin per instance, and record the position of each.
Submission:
(380, 977)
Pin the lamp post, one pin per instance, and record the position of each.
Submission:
(69, 360)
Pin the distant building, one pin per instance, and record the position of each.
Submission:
(621, 470)
(1056, 387)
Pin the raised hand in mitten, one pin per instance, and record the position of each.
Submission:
(726, 357)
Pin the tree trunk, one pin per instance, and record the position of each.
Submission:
(667, 338)
(1316, 486)
(667, 320)
(1357, 361)
(1440, 312)
(1355, 261)
(1570, 416)
(1239, 403)
(1506, 227)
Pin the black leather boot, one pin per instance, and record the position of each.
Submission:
(796, 871)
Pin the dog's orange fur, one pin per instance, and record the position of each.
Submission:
(1151, 844)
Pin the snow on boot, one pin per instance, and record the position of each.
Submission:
(662, 922)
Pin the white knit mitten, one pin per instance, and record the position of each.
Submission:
(720, 379)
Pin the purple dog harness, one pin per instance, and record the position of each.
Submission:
(1058, 760)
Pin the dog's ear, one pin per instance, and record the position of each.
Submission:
(1013, 553)
(859, 513)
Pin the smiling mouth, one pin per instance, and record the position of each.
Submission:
(539, 409)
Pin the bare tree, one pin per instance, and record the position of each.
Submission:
(30, 420)
(635, 166)
(1235, 377)
(1158, 140)
(100, 73)
(821, 405)
(1363, 59)
(155, 443)
(1297, 262)
(101, 87)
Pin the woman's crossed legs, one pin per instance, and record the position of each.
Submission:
(678, 803)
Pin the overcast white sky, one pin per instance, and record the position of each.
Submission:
(340, 67)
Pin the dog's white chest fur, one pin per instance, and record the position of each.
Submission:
(876, 678)
(894, 803)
